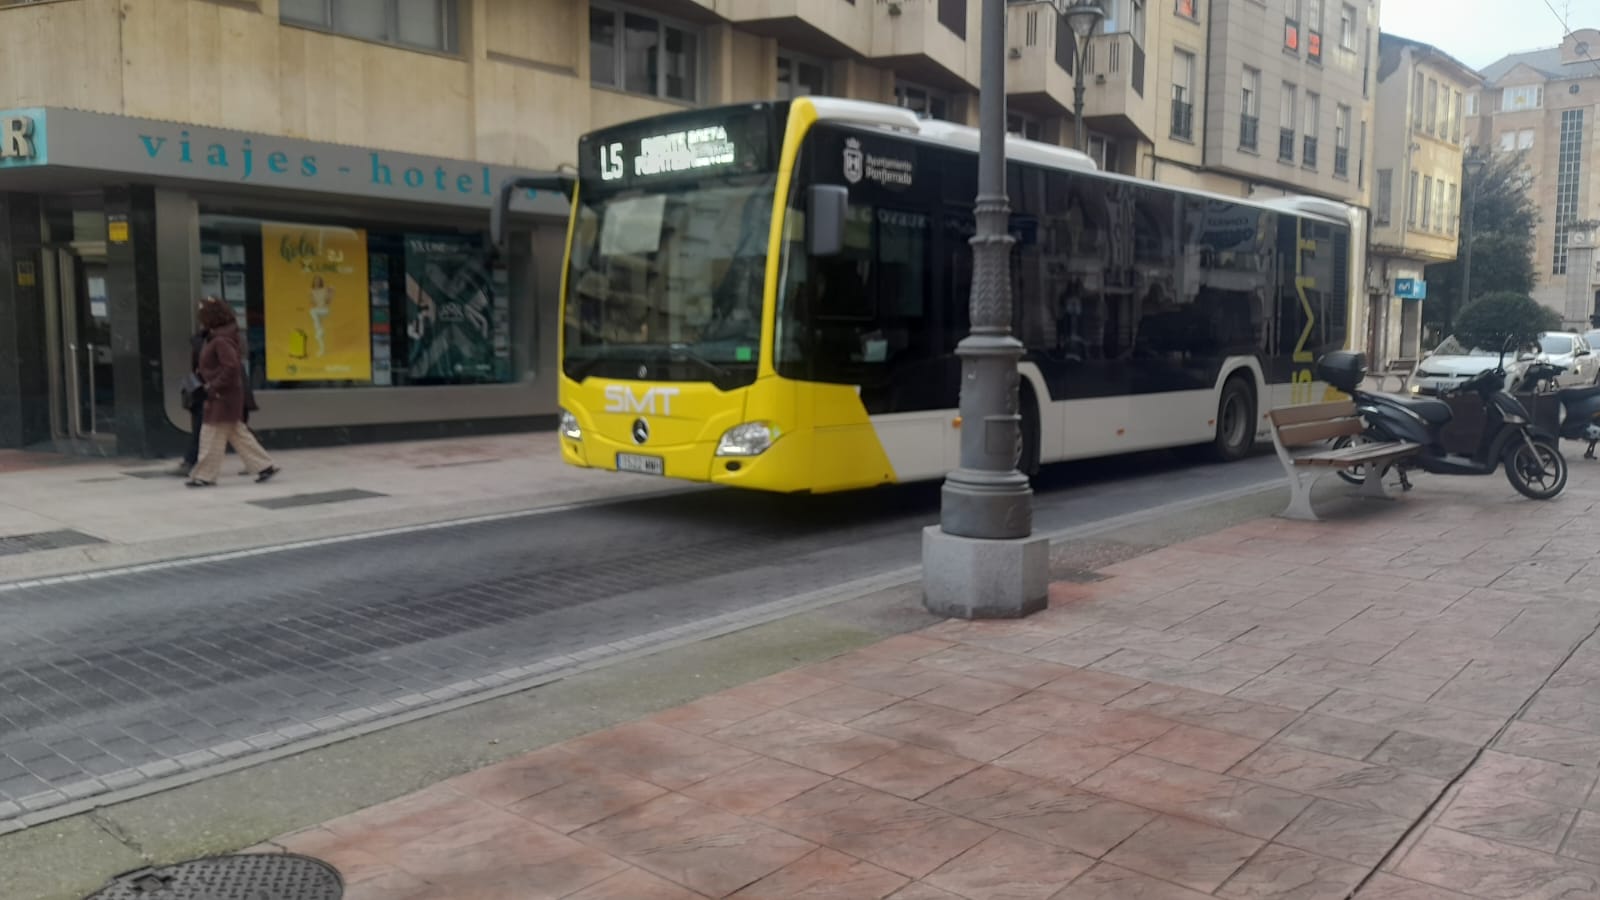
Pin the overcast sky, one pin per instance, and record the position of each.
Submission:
(1478, 32)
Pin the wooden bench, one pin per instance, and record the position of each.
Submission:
(1294, 427)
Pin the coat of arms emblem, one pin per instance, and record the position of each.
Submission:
(853, 161)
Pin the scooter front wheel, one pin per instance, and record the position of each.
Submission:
(1536, 469)
(1356, 475)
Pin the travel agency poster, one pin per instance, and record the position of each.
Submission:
(317, 303)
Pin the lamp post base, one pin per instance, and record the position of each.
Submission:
(972, 578)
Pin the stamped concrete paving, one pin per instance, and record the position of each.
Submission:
(1399, 708)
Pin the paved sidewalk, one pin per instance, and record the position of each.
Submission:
(61, 515)
(1399, 705)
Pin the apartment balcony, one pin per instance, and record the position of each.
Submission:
(1182, 120)
(1115, 72)
(926, 40)
(1308, 153)
(1042, 57)
(1286, 144)
(823, 27)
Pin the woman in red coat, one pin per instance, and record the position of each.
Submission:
(222, 372)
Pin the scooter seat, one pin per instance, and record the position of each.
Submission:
(1434, 412)
(1573, 395)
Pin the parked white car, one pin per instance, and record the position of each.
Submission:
(1450, 364)
(1573, 352)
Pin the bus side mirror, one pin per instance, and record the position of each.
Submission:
(826, 206)
(564, 182)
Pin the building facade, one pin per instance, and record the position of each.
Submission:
(1417, 192)
(1546, 104)
(326, 166)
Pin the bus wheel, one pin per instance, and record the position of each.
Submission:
(1236, 421)
(1027, 456)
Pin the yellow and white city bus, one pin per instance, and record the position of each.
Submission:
(769, 296)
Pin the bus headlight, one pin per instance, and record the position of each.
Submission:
(569, 426)
(749, 439)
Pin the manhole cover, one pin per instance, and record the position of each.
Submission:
(244, 876)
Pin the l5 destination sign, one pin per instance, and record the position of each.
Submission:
(688, 146)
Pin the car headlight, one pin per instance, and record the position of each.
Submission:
(749, 439)
(569, 426)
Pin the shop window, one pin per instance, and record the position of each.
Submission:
(337, 305)
(425, 24)
(643, 54)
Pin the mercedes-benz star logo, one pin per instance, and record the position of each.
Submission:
(641, 431)
(644, 371)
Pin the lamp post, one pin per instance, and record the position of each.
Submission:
(1082, 16)
(981, 560)
(1473, 166)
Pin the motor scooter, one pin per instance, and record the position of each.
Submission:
(1580, 406)
(1532, 456)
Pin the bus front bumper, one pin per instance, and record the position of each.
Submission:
(784, 467)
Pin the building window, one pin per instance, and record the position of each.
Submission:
(1569, 177)
(1313, 30)
(401, 305)
(1418, 97)
(1384, 202)
(1341, 141)
(953, 15)
(1286, 120)
(1347, 27)
(1444, 111)
(1411, 201)
(1453, 208)
(1023, 126)
(1432, 117)
(801, 76)
(1438, 205)
(1361, 158)
(925, 102)
(1427, 203)
(1182, 95)
(1103, 151)
(1512, 141)
(1250, 109)
(1187, 9)
(424, 24)
(1520, 98)
(1455, 116)
(1313, 130)
(643, 54)
(1472, 104)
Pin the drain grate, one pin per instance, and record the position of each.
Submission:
(296, 500)
(15, 544)
(243, 876)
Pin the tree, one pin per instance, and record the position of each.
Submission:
(1504, 223)
(1492, 319)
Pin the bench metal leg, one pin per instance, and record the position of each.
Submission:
(1372, 486)
(1299, 507)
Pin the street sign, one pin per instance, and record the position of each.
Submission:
(1411, 289)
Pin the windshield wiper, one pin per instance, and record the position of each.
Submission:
(684, 351)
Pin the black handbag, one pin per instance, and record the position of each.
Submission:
(192, 391)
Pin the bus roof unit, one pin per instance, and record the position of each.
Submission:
(894, 118)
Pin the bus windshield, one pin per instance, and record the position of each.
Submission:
(661, 278)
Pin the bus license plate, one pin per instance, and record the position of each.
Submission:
(643, 465)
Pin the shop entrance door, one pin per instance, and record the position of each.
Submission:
(78, 327)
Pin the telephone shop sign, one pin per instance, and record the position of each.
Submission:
(667, 150)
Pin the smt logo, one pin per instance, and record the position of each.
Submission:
(621, 399)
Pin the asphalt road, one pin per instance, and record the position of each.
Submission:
(112, 682)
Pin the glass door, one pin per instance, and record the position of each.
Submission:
(79, 330)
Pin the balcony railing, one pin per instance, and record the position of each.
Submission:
(1308, 156)
(1182, 119)
(1249, 131)
(1286, 144)
(1341, 161)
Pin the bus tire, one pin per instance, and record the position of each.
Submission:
(1027, 458)
(1236, 420)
